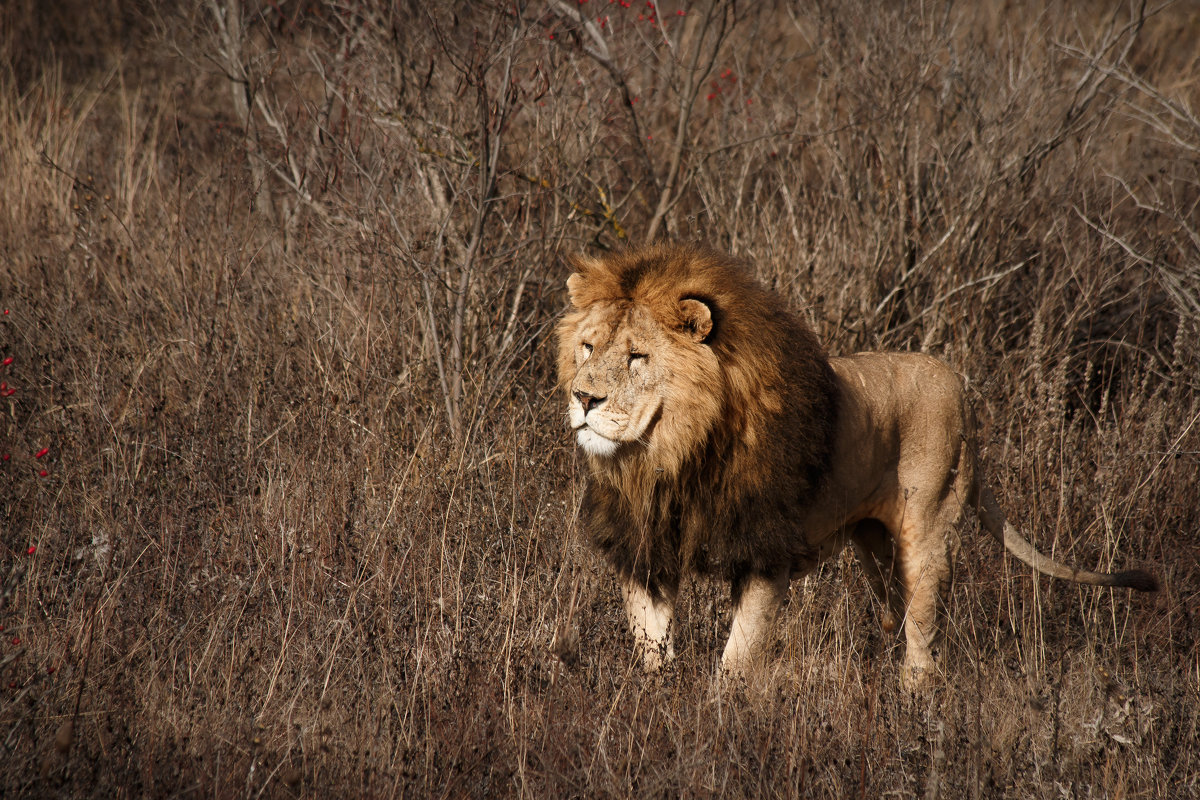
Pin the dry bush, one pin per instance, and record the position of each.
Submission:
(279, 283)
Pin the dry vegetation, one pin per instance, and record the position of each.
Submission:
(278, 283)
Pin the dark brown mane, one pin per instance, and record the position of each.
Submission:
(732, 505)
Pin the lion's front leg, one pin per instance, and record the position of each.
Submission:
(650, 622)
(756, 600)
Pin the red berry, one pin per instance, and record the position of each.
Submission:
(32, 549)
(41, 452)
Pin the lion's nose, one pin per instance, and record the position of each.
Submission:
(588, 401)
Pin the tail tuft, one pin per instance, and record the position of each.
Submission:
(1137, 579)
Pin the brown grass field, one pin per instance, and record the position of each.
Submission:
(279, 283)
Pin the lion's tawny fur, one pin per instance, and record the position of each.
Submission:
(720, 438)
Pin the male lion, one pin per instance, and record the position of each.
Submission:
(722, 440)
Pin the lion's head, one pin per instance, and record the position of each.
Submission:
(640, 376)
(675, 362)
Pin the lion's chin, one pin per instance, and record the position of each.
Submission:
(595, 444)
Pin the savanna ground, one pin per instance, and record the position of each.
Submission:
(278, 285)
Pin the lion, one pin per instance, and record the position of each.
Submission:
(722, 440)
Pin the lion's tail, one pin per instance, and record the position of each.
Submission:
(993, 519)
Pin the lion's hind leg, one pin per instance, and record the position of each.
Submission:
(924, 550)
(873, 546)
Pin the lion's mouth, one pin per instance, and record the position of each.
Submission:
(606, 444)
(596, 444)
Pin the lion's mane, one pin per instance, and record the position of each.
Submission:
(751, 442)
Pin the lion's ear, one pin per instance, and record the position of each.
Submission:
(581, 265)
(695, 319)
(575, 289)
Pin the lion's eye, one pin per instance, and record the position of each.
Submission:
(587, 349)
(637, 357)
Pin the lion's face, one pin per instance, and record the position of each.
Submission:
(637, 374)
(616, 396)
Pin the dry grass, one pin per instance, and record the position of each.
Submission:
(278, 297)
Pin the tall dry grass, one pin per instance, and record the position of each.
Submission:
(279, 283)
